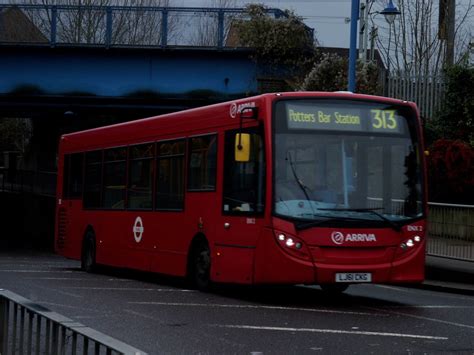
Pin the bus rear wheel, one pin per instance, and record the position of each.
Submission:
(201, 266)
(88, 263)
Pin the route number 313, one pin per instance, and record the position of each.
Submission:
(384, 119)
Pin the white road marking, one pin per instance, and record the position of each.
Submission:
(75, 279)
(424, 318)
(66, 306)
(56, 278)
(54, 290)
(420, 290)
(330, 331)
(378, 314)
(139, 314)
(127, 289)
(35, 264)
(427, 306)
(400, 289)
(40, 271)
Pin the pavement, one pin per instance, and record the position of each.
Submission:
(449, 275)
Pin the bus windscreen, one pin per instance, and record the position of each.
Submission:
(346, 159)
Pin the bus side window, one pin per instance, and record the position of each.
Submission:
(92, 179)
(170, 175)
(76, 168)
(244, 181)
(202, 163)
(140, 184)
(115, 167)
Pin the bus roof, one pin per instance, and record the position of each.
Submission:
(192, 121)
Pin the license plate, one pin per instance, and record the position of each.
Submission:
(354, 277)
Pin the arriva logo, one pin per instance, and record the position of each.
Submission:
(339, 238)
(234, 108)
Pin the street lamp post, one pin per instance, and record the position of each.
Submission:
(353, 43)
(390, 12)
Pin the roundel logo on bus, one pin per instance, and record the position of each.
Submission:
(138, 229)
(339, 238)
(234, 108)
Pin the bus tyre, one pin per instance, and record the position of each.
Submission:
(334, 288)
(201, 266)
(88, 253)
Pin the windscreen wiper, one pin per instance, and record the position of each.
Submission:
(395, 226)
(303, 187)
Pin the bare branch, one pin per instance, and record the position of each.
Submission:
(412, 44)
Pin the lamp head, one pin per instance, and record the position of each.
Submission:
(390, 12)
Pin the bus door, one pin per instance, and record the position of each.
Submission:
(242, 207)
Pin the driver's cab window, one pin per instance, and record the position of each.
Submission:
(308, 171)
(244, 181)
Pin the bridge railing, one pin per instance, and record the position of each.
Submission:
(29, 328)
(451, 231)
(120, 26)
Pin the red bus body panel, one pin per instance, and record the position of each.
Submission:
(248, 252)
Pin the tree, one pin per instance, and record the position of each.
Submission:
(455, 120)
(15, 134)
(206, 25)
(451, 172)
(86, 22)
(329, 73)
(283, 44)
(412, 44)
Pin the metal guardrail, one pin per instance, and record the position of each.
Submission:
(119, 26)
(29, 328)
(31, 181)
(451, 231)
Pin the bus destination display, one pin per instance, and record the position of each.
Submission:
(340, 118)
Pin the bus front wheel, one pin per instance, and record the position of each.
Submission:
(201, 266)
(88, 253)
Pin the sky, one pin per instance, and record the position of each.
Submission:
(327, 17)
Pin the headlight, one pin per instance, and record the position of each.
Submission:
(293, 245)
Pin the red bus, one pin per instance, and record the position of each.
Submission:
(286, 188)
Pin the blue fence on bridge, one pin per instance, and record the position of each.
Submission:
(120, 26)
